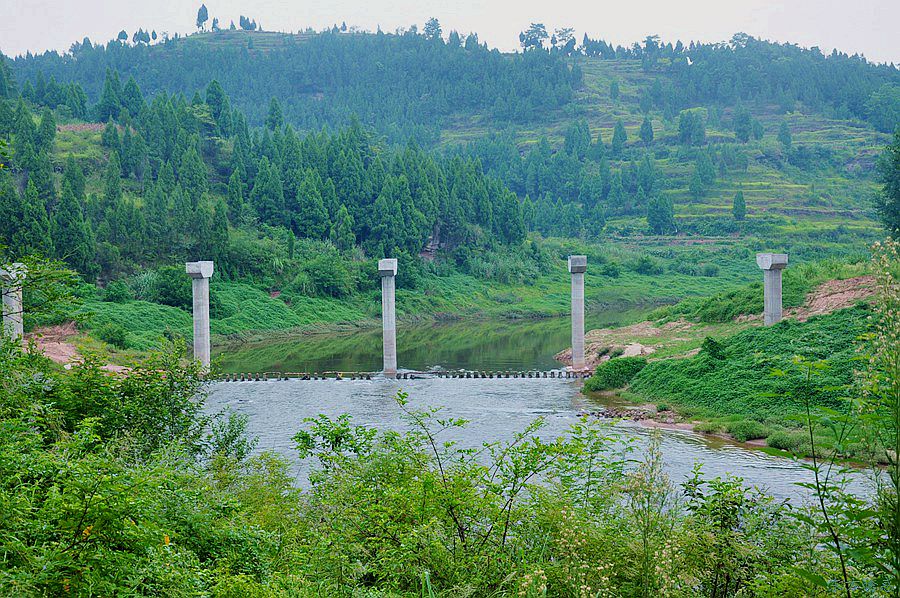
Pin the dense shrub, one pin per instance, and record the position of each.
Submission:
(172, 287)
(113, 334)
(615, 373)
(117, 292)
(747, 429)
(785, 440)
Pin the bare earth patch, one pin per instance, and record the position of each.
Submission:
(645, 338)
(55, 342)
(833, 295)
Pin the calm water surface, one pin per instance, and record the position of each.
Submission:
(495, 408)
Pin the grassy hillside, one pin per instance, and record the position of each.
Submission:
(825, 200)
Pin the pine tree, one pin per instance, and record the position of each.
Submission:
(12, 208)
(33, 235)
(647, 131)
(267, 196)
(47, 131)
(110, 137)
(696, 187)
(309, 218)
(235, 197)
(887, 200)
(738, 206)
(110, 99)
(619, 138)
(192, 175)
(528, 213)
(218, 234)
(784, 136)
(275, 118)
(202, 16)
(72, 236)
(342, 230)
(660, 215)
(132, 98)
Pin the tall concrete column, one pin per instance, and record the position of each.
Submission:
(388, 271)
(577, 268)
(12, 277)
(200, 273)
(772, 264)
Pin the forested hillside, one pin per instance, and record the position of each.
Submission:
(295, 161)
(404, 85)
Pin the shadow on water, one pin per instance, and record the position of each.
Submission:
(478, 345)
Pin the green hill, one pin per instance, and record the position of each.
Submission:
(480, 170)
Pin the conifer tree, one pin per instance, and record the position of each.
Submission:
(619, 138)
(110, 137)
(192, 175)
(309, 218)
(784, 136)
(110, 99)
(647, 131)
(267, 196)
(72, 236)
(132, 98)
(275, 117)
(33, 236)
(660, 215)
(12, 208)
(738, 206)
(47, 131)
(235, 197)
(342, 230)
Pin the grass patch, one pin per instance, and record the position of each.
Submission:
(739, 380)
(614, 373)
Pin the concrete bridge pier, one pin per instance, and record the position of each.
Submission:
(577, 268)
(12, 278)
(772, 264)
(387, 268)
(200, 273)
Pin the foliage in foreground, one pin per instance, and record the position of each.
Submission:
(119, 485)
(122, 486)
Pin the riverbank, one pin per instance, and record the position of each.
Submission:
(737, 380)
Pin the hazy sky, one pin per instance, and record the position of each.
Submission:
(865, 26)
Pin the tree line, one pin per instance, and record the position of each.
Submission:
(329, 78)
(179, 177)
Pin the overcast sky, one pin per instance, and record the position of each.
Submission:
(868, 27)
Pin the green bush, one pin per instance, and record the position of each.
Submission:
(708, 427)
(117, 292)
(113, 334)
(786, 440)
(172, 287)
(614, 373)
(747, 429)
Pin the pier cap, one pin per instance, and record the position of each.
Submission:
(199, 269)
(387, 267)
(772, 261)
(577, 263)
(13, 272)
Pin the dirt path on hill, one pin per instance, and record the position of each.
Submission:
(645, 338)
(55, 342)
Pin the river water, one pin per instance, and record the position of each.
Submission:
(495, 408)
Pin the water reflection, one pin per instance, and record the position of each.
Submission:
(481, 345)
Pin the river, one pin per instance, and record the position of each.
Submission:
(494, 408)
